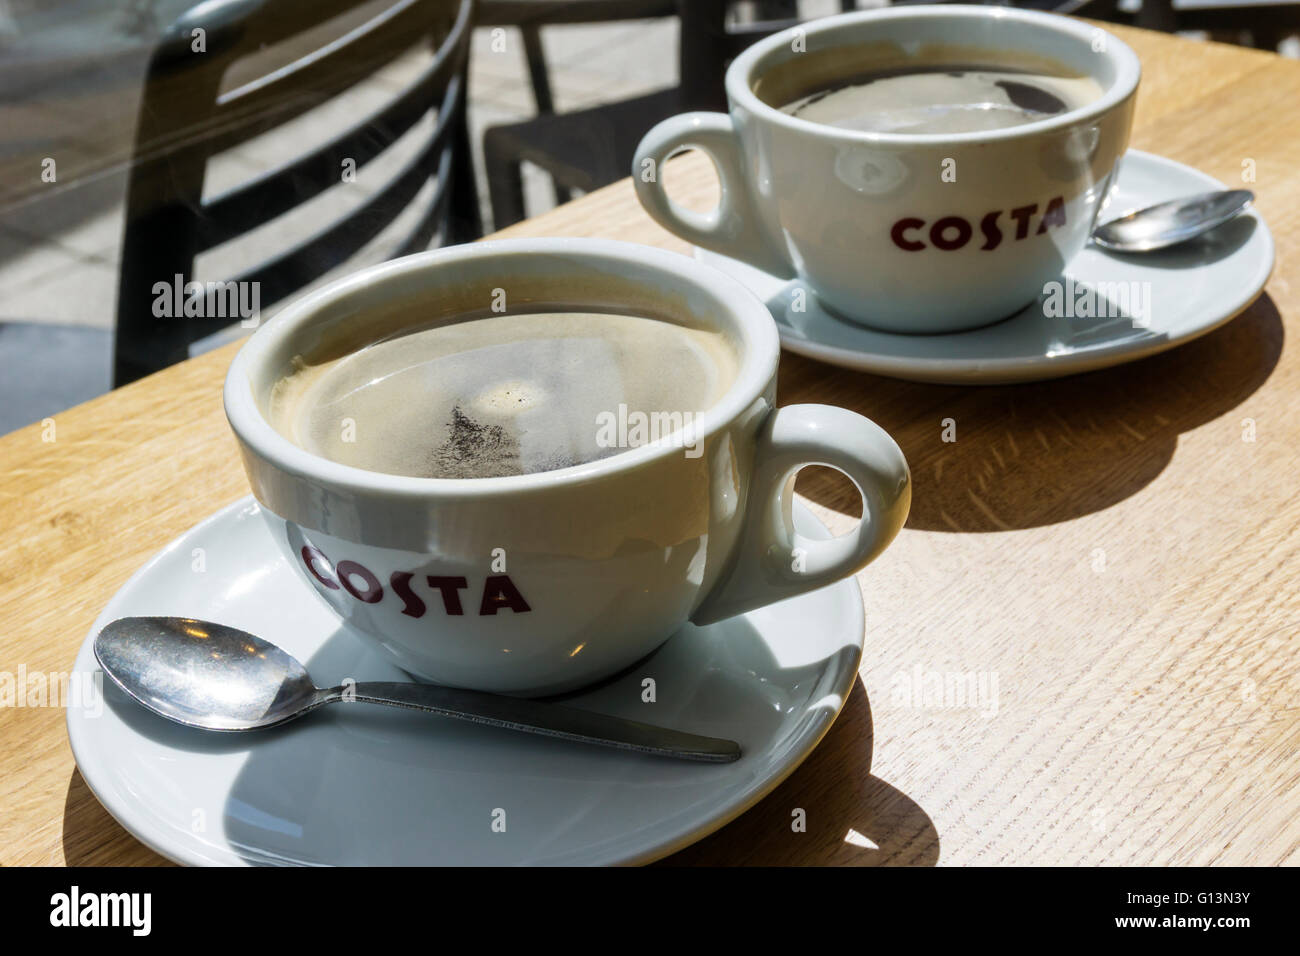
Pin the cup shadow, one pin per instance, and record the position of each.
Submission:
(998, 458)
(720, 670)
(862, 822)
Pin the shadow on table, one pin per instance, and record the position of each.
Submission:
(91, 837)
(853, 818)
(1044, 452)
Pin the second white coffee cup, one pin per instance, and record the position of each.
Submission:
(905, 232)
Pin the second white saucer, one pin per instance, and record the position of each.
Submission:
(1080, 325)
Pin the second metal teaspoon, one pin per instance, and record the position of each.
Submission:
(1169, 223)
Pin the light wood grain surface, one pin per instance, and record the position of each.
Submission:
(1108, 548)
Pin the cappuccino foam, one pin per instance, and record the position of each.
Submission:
(945, 100)
(498, 395)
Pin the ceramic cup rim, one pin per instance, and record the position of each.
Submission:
(731, 305)
(741, 76)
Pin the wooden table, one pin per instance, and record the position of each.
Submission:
(1110, 548)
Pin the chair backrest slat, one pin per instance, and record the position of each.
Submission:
(185, 119)
(280, 190)
(268, 101)
(179, 111)
(436, 217)
(337, 242)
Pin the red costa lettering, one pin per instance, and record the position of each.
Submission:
(1053, 215)
(450, 588)
(992, 234)
(899, 237)
(401, 584)
(954, 232)
(937, 231)
(310, 556)
(499, 592)
(347, 570)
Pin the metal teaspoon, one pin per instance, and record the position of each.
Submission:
(215, 677)
(1169, 223)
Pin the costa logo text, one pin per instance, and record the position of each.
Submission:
(955, 232)
(498, 591)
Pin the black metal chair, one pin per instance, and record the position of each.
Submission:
(1266, 23)
(585, 149)
(531, 15)
(186, 119)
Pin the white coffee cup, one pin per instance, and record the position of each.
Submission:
(540, 583)
(933, 232)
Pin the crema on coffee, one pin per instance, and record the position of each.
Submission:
(944, 100)
(502, 394)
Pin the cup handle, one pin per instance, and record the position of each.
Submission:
(732, 227)
(773, 561)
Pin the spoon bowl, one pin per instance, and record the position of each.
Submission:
(205, 675)
(1170, 223)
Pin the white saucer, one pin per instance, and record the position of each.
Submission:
(1194, 289)
(366, 785)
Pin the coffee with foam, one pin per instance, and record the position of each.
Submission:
(501, 394)
(944, 99)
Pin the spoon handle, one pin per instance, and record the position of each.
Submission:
(549, 720)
